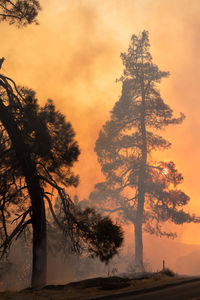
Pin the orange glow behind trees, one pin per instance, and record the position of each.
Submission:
(73, 58)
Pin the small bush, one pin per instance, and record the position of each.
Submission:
(168, 272)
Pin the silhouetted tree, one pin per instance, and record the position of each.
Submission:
(37, 151)
(19, 12)
(143, 190)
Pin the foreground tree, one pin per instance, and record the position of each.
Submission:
(37, 151)
(143, 190)
(19, 12)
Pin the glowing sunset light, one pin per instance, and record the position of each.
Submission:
(165, 171)
(83, 43)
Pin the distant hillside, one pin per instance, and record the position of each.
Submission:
(182, 258)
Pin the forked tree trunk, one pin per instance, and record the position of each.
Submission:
(35, 190)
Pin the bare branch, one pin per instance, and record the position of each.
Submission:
(23, 227)
(18, 229)
(53, 213)
(19, 216)
(111, 211)
(3, 218)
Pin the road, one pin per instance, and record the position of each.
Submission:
(188, 291)
(185, 291)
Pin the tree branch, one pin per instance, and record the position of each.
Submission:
(53, 213)
(18, 229)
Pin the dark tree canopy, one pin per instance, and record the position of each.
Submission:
(49, 137)
(144, 191)
(92, 233)
(19, 12)
(37, 151)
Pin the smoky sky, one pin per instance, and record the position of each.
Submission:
(73, 57)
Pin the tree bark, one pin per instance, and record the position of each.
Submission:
(139, 265)
(39, 258)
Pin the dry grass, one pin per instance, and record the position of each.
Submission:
(89, 288)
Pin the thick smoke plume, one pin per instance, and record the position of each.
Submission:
(73, 57)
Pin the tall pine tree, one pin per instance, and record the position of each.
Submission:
(144, 191)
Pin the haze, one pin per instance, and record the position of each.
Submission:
(73, 57)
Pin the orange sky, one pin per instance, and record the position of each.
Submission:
(73, 57)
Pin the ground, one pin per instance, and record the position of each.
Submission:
(93, 287)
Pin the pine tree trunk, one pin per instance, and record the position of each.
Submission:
(139, 267)
(141, 187)
(139, 220)
(39, 254)
(36, 195)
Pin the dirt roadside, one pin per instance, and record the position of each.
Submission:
(99, 288)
